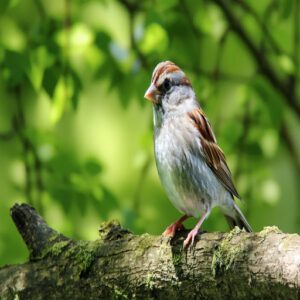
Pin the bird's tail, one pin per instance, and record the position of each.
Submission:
(235, 217)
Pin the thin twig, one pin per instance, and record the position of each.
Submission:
(267, 35)
(197, 33)
(133, 43)
(132, 9)
(290, 145)
(266, 17)
(297, 42)
(20, 124)
(32, 163)
(262, 62)
(66, 50)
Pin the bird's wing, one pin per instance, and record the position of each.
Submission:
(213, 154)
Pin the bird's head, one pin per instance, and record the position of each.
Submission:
(166, 78)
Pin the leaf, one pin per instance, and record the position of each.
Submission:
(92, 166)
(77, 87)
(103, 41)
(287, 64)
(155, 39)
(63, 164)
(253, 149)
(62, 94)
(50, 79)
(108, 203)
(17, 65)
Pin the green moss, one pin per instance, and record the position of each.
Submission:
(150, 283)
(145, 242)
(269, 229)
(227, 253)
(83, 255)
(57, 248)
(106, 227)
(54, 237)
(119, 293)
(53, 249)
(177, 258)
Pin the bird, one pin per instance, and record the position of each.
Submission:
(191, 166)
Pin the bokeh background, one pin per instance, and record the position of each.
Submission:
(76, 133)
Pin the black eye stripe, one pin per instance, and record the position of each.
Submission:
(166, 85)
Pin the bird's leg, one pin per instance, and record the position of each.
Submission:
(191, 236)
(171, 230)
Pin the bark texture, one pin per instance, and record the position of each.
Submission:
(121, 265)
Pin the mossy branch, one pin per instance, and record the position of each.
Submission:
(120, 265)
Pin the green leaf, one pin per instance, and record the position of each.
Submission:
(93, 167)
(287, 64)
(63, 164)
(103, 41)
(155, 39)
(50, 79)
(108, 203)
(77, 87)
(62, 94)
(17, 65)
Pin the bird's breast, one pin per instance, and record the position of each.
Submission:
(190, 184)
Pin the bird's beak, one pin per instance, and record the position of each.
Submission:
(151, 93)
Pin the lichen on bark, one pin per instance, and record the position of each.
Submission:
(228, 251)
(121, 265)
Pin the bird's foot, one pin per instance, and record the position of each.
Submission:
(190, 238)
(171, 230)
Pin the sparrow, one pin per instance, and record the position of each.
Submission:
(191, 166)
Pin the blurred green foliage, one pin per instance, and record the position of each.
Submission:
(76, 133)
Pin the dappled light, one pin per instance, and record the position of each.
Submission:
(76, 133)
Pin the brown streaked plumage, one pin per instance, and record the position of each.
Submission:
(214, 155)
(162, 68)
(166, 67)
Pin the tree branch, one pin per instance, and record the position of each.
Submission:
(290, 145)
(32, 162)
(189, 18)
(296, 42)
(247, 8)
(262, 62)
(119, 265)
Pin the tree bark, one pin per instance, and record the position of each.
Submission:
(121, 265)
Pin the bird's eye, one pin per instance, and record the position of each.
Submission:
(166, 85)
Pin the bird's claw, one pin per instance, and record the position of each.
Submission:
(190, 238)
